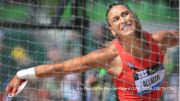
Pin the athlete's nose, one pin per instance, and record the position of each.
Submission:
(123, 20)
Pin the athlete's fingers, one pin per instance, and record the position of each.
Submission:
(14, 90)
(8, 89)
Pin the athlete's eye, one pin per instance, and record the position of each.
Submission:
(116, 18)
(124, 14)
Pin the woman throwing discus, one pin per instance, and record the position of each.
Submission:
(134, 58)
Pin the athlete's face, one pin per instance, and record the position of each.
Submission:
(122, 21)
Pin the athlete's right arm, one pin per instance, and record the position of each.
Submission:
(98, 58)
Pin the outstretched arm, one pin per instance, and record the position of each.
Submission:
(99, 58)
(166, 39)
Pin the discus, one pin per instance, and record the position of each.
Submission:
(21, 87)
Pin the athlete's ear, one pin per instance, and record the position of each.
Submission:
(112, 31)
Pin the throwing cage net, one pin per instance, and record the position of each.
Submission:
(34, 32)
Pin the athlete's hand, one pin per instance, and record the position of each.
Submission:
(13, 86)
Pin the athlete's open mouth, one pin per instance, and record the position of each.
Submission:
(125, 27)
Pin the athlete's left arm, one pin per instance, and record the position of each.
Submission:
(166, 39)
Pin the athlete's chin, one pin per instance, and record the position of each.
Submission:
(128, 33)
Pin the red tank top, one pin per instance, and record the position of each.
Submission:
(125, 83)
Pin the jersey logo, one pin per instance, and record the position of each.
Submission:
(132, 66)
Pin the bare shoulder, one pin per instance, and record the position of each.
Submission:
(102, 57)
(158, 34)
(108, 50)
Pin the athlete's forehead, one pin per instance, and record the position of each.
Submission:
(117, 9)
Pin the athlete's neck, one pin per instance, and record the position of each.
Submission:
(136, 45)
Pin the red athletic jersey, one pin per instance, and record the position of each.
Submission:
(125, 83)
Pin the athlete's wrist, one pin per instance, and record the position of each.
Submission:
(27, 73)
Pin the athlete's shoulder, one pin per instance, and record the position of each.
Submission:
(108, 48)
(112, 46)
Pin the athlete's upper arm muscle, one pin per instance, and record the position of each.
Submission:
(100, 58)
